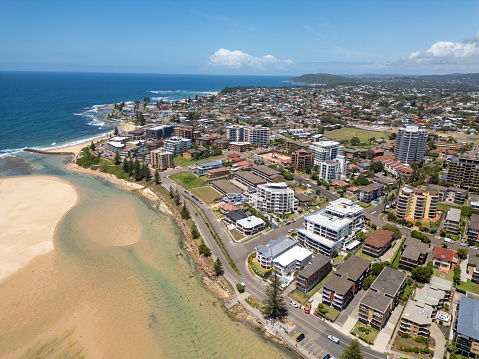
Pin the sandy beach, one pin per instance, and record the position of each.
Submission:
(36, 205)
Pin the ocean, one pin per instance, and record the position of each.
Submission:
(56, 109)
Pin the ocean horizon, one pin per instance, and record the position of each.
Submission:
(47, 110)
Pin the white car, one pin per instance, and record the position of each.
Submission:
(294, 304)
(442, 317)
(473, 247)
(333, 339)
(290, 230)
(399, 226)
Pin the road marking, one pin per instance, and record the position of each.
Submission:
(373, 212)
(319, 355)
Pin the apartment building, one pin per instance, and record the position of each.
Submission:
(249, 179)
(269, 174)
(330, 228)
(274, 197)
(395, 168)
(416, 319)
(257, 135)
(250, 225)
(239, 146)
(473, 268)
(340, 288)
(452, 223)
(451, 194)
(161, 159)
(291, 261)
(315, 272)
(464, 172)
(378, 243)
(202, 167)
(472, 229)
(417, 203)
(266, 254)
(184, 132)
(326, 151)
(301, 160)
(381, 298)
(467, 327)
(414, 254)
(177, 145)
(410, 144)
(158, 132)
(370, 192)
(235, 133)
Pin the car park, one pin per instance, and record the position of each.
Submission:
(333, 339)
(294, 304)
(300, 337)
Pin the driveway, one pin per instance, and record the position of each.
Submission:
(351, 311)
(440, 340)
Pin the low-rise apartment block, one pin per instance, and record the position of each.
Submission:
(249, 179)
(472, 228)
(414, 254)
(269, 174)
(301, 160)
(314, 273)
(239, 146)
(453, 221)
(250, 225)
(291, 261)
(266, 254)
(378, 243)
(177, 145)
(467, 327)
(370, 192)
(202, 167)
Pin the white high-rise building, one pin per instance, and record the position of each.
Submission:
(177, 145)
(275, 197)
(257, 135)
(330, 228)
(235, 133)
(410, 144)
(326, 151)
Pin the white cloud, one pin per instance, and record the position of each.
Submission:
(447, 52)
(237, 59)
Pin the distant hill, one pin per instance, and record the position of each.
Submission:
(457, 81)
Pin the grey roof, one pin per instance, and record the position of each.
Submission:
(468, 318)
(236, 215)
(474, 224)
(226, 187)
(454, 215)
(389, 281)
(473, 261)
(441, 284)
(370, 187)
(338, 284)
(275, 248)
(251, 177)
(376, 301)
(266, 170)
(417, 313)
(353, 268)
(414, 248)
(316, 263)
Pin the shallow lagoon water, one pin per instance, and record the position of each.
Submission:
(92, 298)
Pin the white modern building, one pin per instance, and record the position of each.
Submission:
(295, 259)
(266, 254)
(275, 197)
(201, 168)
(257, 135)
(250, 225)
(235, 133)
(330, 228)
(326, 151)
(410, 144)
(177, 145)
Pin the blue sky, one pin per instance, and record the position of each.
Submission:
(241, 37)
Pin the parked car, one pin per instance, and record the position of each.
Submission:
(399, 226)
(294, 304)
(288, 223)
(442, 317)
(333, 339)
(463, 245)
(327, 356)
(290, 230)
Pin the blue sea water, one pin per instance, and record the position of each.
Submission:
(55, 109)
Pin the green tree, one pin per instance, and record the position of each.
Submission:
(172, 193)
(177, 197)
(457, 275)
(218, 267)
(185, 214)
(353, 351)
(157, 177)
(392, 136)
(462, 253)
(422, 274)
(194, 231)
(115, 132)
(137, 167)
(126, 165)
(354, 141)
(131, 167)
(92, 146)
(274, 302)
(117, 158)
(145, 171)
(204, 250)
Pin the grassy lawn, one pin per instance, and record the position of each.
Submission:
(365, 205)
(258, 267)
(183, 162)
(449, 276)
(236, 235)
(361, 254)
(348, 133)
(207, 194)
(187, 180)
(400, 343)
(361, 329)
(469, 286)
(255, 303)
(397, 256)
(302, 298)
(116, 170)
(332, 313)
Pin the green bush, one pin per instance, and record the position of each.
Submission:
(240, 287)
(415, 350)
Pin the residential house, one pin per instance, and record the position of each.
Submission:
(378, 243)
(444, 258)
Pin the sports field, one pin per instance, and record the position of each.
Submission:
(347, 133)
(187, 180)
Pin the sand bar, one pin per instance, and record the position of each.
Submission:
(30, 209)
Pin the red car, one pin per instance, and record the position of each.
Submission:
(288, 223)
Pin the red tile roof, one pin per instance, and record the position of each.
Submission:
(446, 255)
(379, 238)
(340, 183)
(228, 207)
